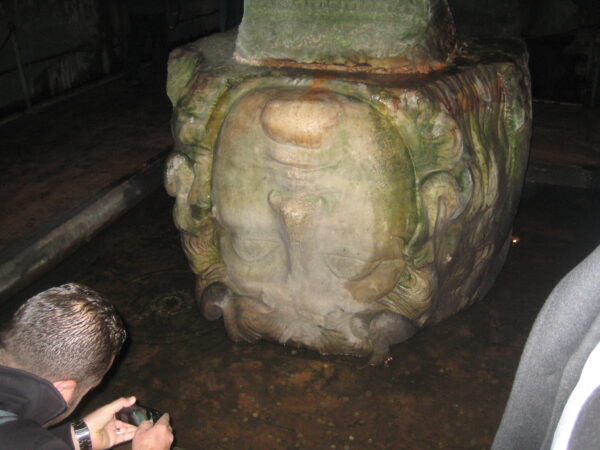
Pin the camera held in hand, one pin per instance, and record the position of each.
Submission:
(136, 414)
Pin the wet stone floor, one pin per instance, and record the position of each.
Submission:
(444, 388)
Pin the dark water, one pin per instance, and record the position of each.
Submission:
(444, 388)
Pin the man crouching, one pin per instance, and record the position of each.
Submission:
(59, 345)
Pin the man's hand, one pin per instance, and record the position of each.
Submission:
(154, 437)
(105, 430)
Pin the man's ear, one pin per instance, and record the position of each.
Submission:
(66, 388)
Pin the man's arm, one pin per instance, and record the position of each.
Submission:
(106, 431)
(26, 434)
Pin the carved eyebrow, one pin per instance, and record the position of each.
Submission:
(251, 250)
(346, 266)
(356, 266)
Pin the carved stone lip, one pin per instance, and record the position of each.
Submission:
(303, 169)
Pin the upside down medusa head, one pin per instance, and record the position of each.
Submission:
(343, 204)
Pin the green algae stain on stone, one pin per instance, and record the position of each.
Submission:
(403, 35)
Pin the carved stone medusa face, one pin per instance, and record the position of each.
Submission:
(314, 199)
(337, 214)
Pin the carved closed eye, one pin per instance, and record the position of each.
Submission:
(345, 267)
(251, 250)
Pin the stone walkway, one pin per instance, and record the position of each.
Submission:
(56, 158)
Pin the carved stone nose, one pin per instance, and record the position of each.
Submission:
(296, 213)
(302, 119)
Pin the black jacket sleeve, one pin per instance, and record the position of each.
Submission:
(64, 433)
(28, 435)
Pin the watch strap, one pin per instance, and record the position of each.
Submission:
(82, 433)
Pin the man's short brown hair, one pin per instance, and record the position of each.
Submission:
(64, 333)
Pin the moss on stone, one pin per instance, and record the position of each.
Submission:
(378, 34)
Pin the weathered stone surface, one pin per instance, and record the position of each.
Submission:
(382, 35)
(343, 213)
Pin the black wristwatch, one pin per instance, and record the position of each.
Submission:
(82, 433)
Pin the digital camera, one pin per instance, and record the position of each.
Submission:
(136, 414)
